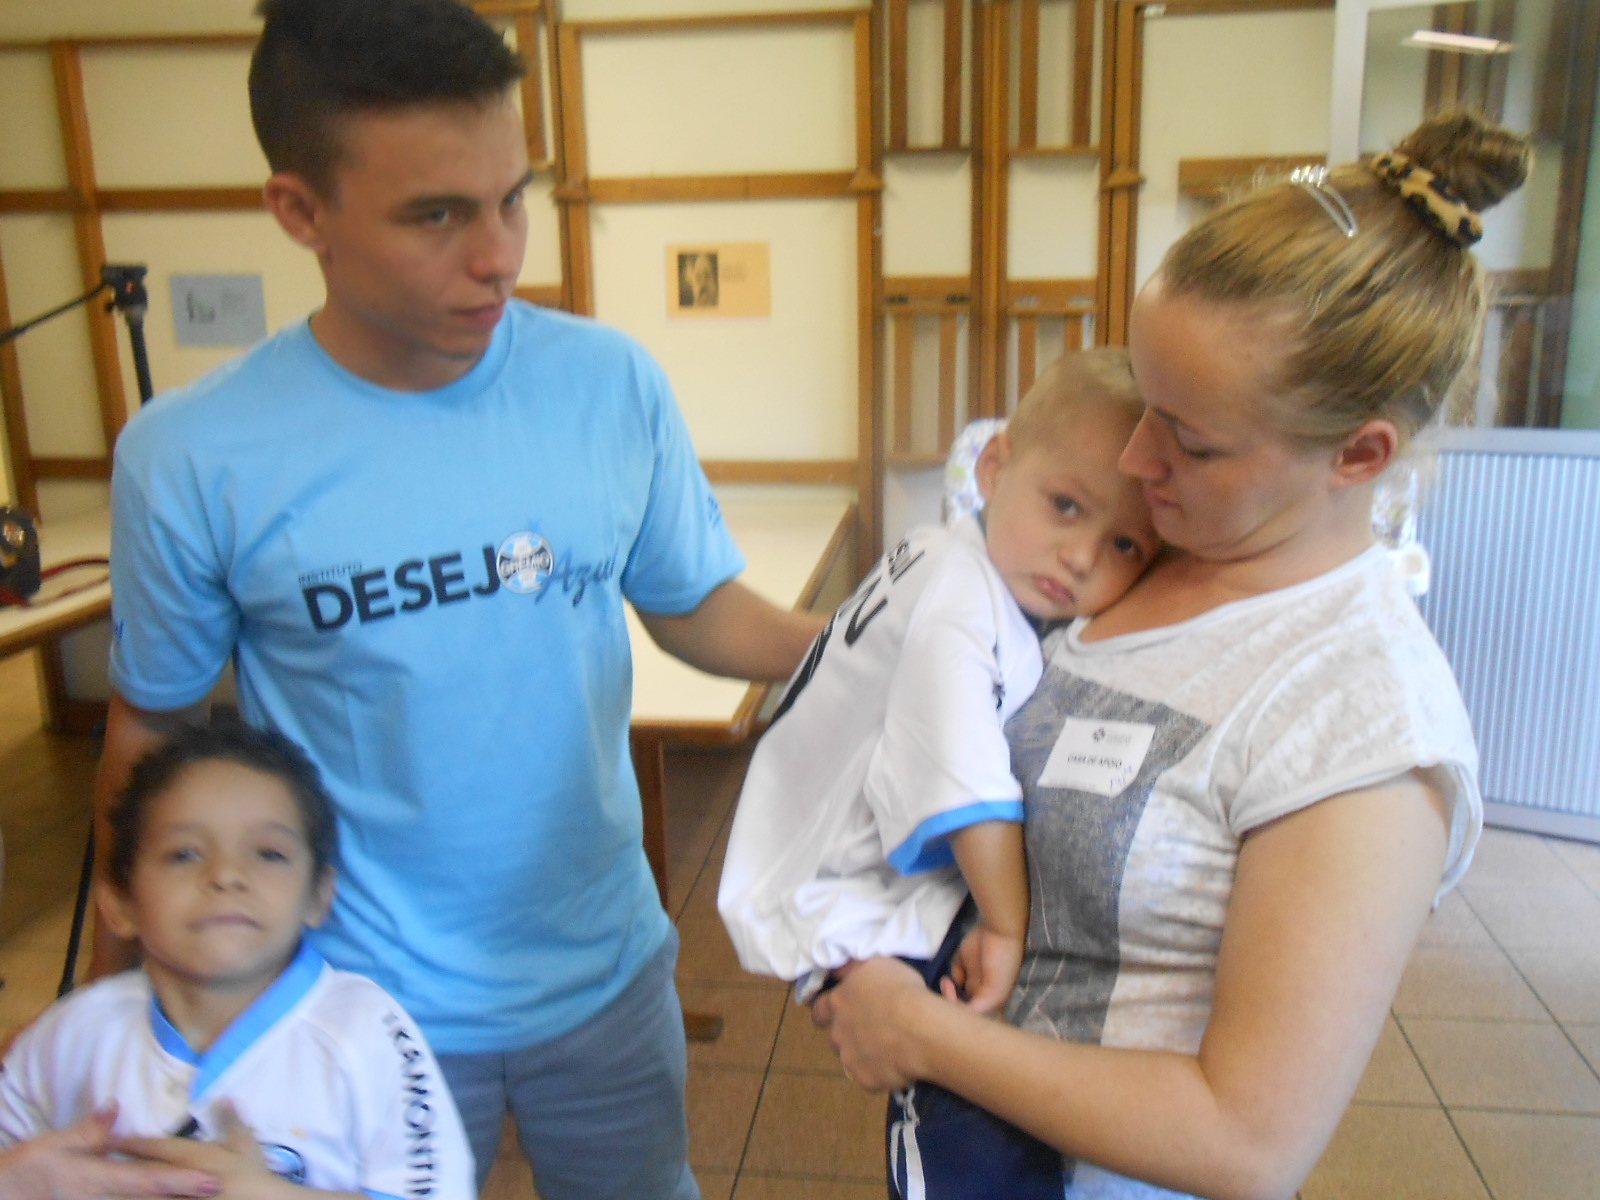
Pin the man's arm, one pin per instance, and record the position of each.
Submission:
(131, 733)
(737, 633)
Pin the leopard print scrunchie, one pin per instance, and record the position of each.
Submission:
(1446, 213)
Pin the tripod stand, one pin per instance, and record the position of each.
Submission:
(128, 297)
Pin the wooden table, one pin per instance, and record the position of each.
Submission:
(790, 548)
(85, 536)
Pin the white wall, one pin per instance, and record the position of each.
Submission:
(1213, 89)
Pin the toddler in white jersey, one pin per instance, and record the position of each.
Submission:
(234, 1031)
(883, 791)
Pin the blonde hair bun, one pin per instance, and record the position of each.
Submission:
(1483, 163)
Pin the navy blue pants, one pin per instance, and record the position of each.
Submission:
(942, 1147)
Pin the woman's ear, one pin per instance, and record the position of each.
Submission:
(115, 910)
(1366, 453)
(991, 462)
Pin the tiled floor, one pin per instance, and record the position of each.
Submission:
(1485, 1085)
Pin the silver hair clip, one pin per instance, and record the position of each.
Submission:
(1314, 180)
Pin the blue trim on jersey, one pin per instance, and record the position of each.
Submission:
(265, 1011)
(928, 847)
(380, 1195)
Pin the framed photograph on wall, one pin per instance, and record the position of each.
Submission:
(730, 279)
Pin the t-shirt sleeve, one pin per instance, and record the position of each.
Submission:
(174, 622)
(1339, 722)
(683, 550)
(942, 763)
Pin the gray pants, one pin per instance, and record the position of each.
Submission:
(600, 1110)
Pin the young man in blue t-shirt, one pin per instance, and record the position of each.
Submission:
(411, 522)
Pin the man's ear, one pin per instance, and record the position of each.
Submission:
(1366, 454)
(297, 206)
(321, 897)
(991, 462)
(115, 910)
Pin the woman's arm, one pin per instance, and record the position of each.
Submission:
(1326, 907)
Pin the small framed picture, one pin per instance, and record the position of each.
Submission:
(730, 279)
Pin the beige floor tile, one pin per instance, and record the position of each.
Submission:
(1497, 1064)
(1454, 923)
(1529, 1157)
(722, 1105)
(1562, 916)
(1582, 857)
(1394, 1076)
(802, 1046)
(1462, 981)
(702, 786)
(1384, 1153)
(706, 956)
(789, 1187)
(749, 1024)
(811, 1125)
(702, 902)
(1508, 858)
(1567, 981)
(1587, 1038)
(719, 848)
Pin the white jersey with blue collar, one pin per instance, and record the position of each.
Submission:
(889, 739)
(325, 1067)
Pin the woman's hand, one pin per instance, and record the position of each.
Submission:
(871, 1018)
(71, 1164)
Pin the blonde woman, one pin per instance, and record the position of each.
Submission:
(1248, 780)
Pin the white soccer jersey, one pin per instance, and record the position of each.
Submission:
(888, 739)
(325, 1067)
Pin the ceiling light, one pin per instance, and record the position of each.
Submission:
(1459, 43)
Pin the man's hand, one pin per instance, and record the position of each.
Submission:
(71, 1164)
(985, 969)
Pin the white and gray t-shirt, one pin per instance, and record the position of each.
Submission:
(1145, 759)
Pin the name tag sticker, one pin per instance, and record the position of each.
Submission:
(1102, 757)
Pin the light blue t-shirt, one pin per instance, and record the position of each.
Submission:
(426, 590)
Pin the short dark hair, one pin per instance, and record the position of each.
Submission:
(226, 741)
(319, 61)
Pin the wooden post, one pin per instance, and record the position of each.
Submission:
(1119, 169)
(73, 112)
(1082, 71)
(952, 74)
(16, 416)
(527, 25)
(899, 60)
(572, 174)
(1028, 76)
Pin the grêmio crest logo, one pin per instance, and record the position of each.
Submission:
(523, 564)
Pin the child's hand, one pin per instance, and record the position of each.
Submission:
(236, 1160)
(985, 969)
